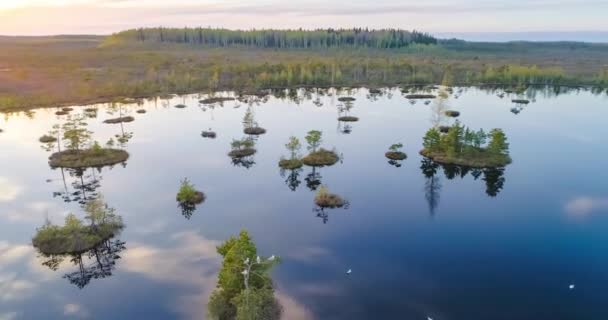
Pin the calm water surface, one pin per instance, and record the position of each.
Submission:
(422, 240)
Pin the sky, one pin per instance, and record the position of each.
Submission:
(452, 17)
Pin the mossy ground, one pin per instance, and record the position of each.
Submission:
(290, 164)
(87, 158)
(321, 158)
(479, 159)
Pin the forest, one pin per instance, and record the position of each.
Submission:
(290, 39)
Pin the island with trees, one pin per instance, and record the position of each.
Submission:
(80, 151)
(318, 157)
(465, 147)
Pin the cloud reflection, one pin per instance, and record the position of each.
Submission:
(583, 206)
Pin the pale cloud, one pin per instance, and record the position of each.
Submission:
(14, 289)
(75, 310)
(8, 316)
(309, 254)
(8, 190)
(584, 205)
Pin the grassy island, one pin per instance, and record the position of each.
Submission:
(348, 119)
(47, 139)
(254, 131)
(93, 157)
(461, 146)
(326, 199)
(141, 111)
(180, 106)
(74, 236)
(321, 158)
(346, 99)
(119, 120)
(520, 101)
(242, 148)
(395, 152)
(452, 113)
(318, 157)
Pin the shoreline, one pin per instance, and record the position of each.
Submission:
(156, 95)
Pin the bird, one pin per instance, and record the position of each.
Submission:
(349, 271)
(571, 287)
(429, 318)
(272, 257)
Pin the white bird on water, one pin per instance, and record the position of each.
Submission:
(429, 318)
(571, 287)
(349, 271)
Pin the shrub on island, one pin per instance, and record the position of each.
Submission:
(188, 195)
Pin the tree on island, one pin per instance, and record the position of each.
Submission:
(314, 139)
(244, 290)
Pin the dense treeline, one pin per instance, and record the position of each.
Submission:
(271, 38)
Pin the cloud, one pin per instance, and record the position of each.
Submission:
(8, 190)
(8, 316)
(309, 254)
(75, 310)
(583, 206)
(169, 264)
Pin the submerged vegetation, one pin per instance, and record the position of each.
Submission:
(244, 288)
(461, 146)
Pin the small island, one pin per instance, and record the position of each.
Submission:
(346, 99)
(180, 106)
(74, 236)
(294, 161)
(452, 113)
(465, 147)
(326, 199)
(209, 134)
(119, 120)
(95, 156)
(141, 111)
(318, 157)
(188, 195)
(47, 139)
(521, 101)
(242, 148)
(395, 152)
(348, 119)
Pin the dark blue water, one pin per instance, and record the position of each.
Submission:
(422, 240)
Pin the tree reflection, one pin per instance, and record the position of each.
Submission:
(313, 179)
(432, 186)
(100, 263)
(293, 178)
(493, 177)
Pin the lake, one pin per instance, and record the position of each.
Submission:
(422, 240)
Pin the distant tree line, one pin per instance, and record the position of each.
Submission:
(271, 38)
